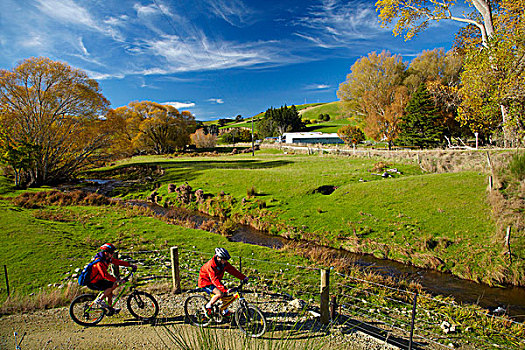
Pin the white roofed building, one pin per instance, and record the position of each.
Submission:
(311, 137)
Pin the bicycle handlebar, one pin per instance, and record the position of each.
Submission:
(235, 289)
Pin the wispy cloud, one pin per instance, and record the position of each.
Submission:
(197, 55)
(179, 105)
(235, 12)
(216, 100)
(318, 87)
(335, 23)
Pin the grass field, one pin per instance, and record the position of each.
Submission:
(441, 221)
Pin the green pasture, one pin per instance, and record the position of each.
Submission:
(331, 126)
(412, 217)
(331, 108)
(41, 246)
(440, 221)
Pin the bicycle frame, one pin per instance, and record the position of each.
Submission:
(116, 298)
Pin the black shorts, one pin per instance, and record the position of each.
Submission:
(100, 285)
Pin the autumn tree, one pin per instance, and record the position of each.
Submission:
(50, 123)
(493, 79)
(489, 17)
(203, 140)
(383, 116)
(375, 76)
(149, 127)
(351, 134)
(421, 126)
(413, 16)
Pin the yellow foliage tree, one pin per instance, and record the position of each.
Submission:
(52, 111)
(149, 127)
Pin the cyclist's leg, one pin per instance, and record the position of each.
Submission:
(106, 286)
(108, 292)
(217, 294)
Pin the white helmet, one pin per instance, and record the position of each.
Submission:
(222, 253)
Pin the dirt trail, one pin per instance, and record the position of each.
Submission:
(53, 329)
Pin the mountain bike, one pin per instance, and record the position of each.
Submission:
(248, 318)
(143, 306)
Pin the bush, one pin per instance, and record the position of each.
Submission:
(202, 140)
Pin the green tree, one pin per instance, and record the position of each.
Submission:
(351, 134)
(420, 126)
(278, 121)
(489, 17)
(52, 111)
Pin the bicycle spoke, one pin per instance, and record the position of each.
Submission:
(142, 306)
(83, 312)
(251, 321)
(193, 309)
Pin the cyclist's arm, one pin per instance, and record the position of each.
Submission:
(120, 262)
(217, 282)
(233, 271)
(99, 270)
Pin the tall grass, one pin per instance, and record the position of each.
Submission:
(45, 298)
(208, 338)
(517, 166)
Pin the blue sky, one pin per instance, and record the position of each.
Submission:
(215, 58)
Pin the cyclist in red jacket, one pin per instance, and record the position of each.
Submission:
(211, 274)
(100, 277)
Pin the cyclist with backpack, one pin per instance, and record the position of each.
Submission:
(211, 274)
(99, 277)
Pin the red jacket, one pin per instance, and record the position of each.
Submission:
(99, 271)
(212, 273)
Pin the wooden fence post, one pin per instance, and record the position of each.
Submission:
(333, 307)
(412, 323)
(325, 296)
(6, 280)
(175, 271)
(507, 243)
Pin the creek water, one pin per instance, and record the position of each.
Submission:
(437, 283)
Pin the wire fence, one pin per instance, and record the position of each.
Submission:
(289, 296)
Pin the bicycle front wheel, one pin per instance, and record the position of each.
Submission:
(83, 312)
(250, 321)
(143, 306)
(194, 310)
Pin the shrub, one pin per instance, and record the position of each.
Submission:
(202, 140)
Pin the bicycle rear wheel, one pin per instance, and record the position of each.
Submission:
(194, 310)
(83, 312)
(250, 320)
(143, 306)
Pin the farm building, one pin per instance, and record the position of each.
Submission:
(311, 137)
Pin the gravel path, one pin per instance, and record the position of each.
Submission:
(53, 329)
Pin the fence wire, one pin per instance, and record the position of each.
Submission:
(376, 309)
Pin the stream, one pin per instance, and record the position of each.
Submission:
(510, 298)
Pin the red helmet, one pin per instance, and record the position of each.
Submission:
(108, 247)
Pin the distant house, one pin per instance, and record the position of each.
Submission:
(311, 137)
